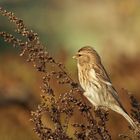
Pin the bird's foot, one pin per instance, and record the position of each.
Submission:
(101, 108)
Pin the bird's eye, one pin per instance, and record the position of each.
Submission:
(79, 55)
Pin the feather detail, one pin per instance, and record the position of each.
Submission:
(96, 82)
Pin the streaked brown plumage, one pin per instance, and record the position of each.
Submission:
(96, 83)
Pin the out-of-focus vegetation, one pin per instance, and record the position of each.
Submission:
(112, 27)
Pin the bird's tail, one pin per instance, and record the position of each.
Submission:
(129, 119)
(126, 116)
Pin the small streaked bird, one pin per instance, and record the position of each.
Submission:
(96, 83)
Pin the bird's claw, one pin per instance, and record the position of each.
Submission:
(101, 108)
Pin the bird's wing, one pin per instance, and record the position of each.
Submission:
(104, 78)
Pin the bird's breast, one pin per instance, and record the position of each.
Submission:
(88, 79)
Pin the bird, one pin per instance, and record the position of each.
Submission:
(95, 82)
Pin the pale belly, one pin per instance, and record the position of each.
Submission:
(94, 92)
(94, 97)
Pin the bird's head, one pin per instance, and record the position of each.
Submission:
(86, 55)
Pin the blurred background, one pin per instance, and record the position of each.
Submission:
(111, 27)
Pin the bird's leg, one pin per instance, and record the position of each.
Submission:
(96, 108)
(101, 107)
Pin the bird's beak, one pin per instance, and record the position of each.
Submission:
(75, 56)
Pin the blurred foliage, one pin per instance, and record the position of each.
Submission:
(112, 27)
(75, 23)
